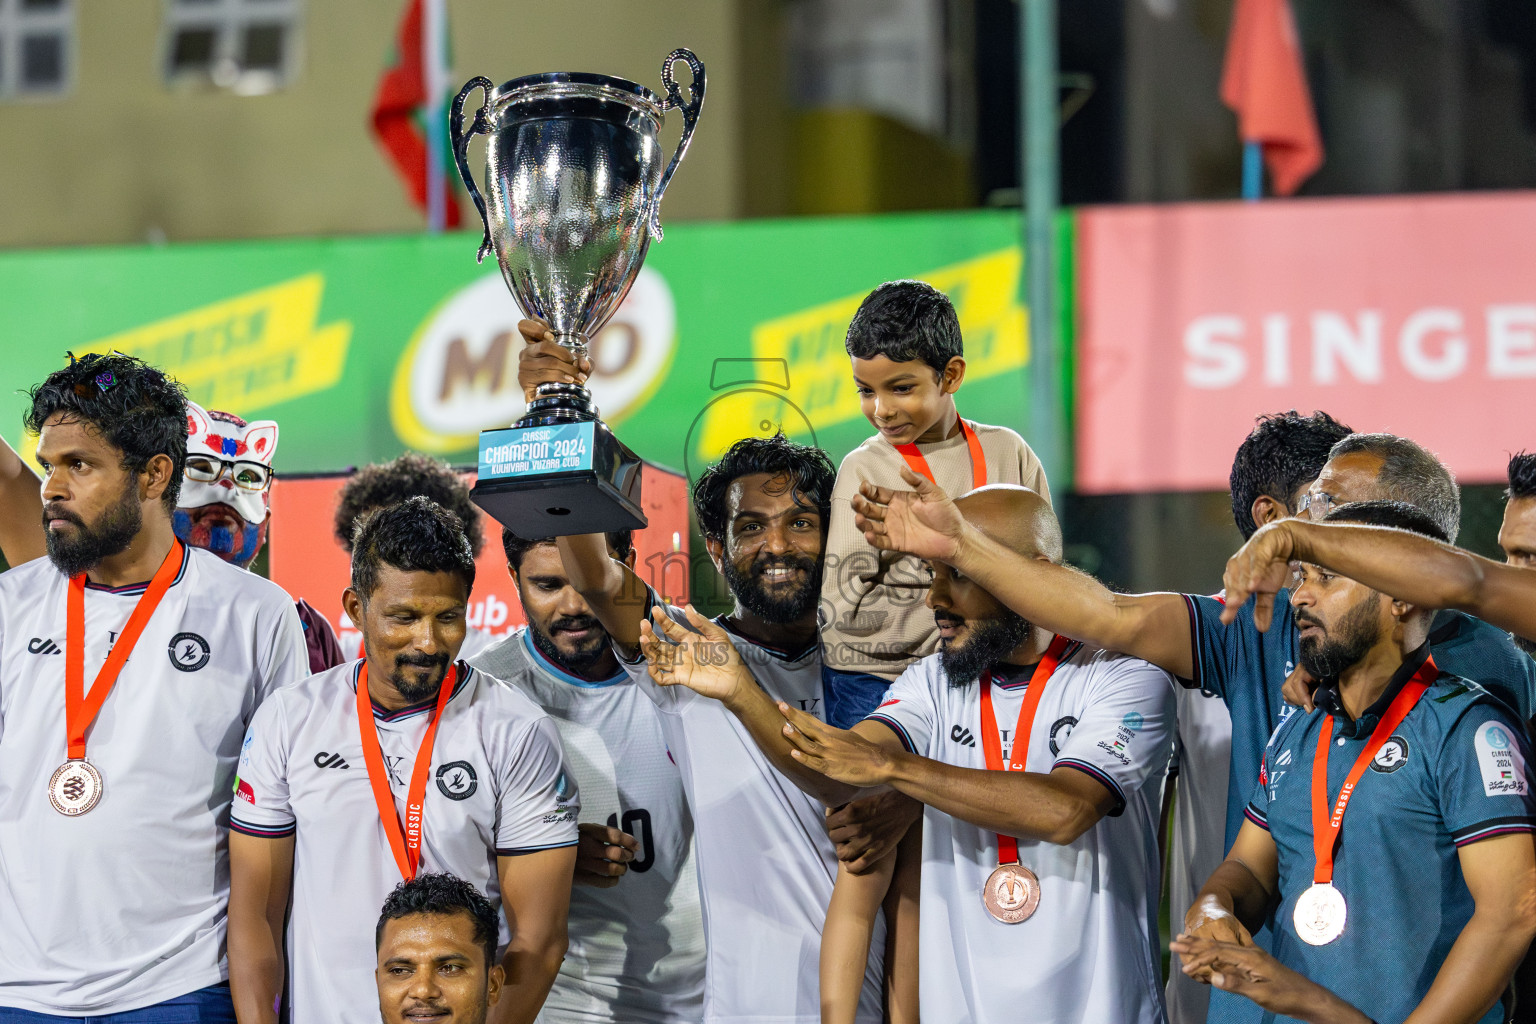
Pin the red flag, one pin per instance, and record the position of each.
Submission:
(1265, 83)
(400, 100)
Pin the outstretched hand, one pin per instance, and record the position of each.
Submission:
(923, 521)
(703, 659)
(1252, 972)
(545, 361)
(839, 754)
(1260, 568)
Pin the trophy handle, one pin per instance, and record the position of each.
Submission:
(482, 124)
(690, 109)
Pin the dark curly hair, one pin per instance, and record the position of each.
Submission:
(1284, 451)
(139, 410)
(906, 320)
(389, 483)
(417, 535)
(620, 542)
(810, 472)
(442, 895)
(1522, 476)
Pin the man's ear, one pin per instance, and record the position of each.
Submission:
(495, 979)
(352, 604)
(953, 375)
(158, 474)
(629, 560)
(716, 551)
(1266, 510)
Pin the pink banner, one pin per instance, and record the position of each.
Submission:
(1414, 315)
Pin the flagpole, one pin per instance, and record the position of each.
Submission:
(434, 25)
(1253, 170)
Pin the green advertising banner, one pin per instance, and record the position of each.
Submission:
(363, 347)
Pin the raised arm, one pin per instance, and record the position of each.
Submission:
(925, 522)
(260, 875)
(1405, 565)
(611, 589)
(705, 661)
(21, 509)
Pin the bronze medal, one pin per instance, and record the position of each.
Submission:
(75, 787)
(1012, 893)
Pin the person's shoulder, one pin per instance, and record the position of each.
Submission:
(233, 583)
(1451, 697)
(505, 660)
(1459, 635)
(874, 460)
(27, 579)
(502, 702)
(1000, 436)
(1117, 669)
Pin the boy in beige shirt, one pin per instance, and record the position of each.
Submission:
(908, 363)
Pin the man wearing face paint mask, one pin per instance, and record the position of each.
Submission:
(226, 505)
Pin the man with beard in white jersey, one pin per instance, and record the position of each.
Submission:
(1040, 763)
(405, 761)
(113, 799)
(636, 937)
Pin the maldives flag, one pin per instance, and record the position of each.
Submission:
(1265, 83)
(399, 109)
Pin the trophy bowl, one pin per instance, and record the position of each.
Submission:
(574, 180)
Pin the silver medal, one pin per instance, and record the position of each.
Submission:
(1319, 915)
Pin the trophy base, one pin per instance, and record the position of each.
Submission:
(559, 478)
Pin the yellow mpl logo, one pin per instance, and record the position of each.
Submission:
(248, 352)
(985, 291)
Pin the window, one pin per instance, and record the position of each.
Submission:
(36, 47)
(248, 46)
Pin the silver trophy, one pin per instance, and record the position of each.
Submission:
(574, 181)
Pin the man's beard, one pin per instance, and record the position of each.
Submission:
(755, 597)
(1340, 648)
(84, 550)
(429, 688)
(579, 660)
(987, 642)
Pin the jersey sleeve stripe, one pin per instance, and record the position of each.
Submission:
(245, 828)
(894, 726)
(1099, 774)
(1195, 682)
(1256, 816)
(519, 851)
(1493, 827)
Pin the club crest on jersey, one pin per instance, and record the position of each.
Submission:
(456, 780)
(188, 651)
(1392, 756)
(1061, 731)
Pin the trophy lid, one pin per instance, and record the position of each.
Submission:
(585, 84)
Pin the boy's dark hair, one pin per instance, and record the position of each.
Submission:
(621, 542)
(1283, 452)
(1522, 476)
(1410, 472)
(443, 895)
(417, 535)
(1396, 514)
(903, 321)
(811, 476)
(389, 483)
(139, 410)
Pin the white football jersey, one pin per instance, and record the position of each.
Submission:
(636, 949)
(497, 786)
(766, 865)
(1204, 760)
(123, 906)
(1088, 954)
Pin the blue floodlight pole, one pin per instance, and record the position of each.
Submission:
(1041, 125)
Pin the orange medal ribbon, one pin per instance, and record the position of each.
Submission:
(80, 708)
(1325, 827)
(406, 841)
(991, 741)
(918, 464)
